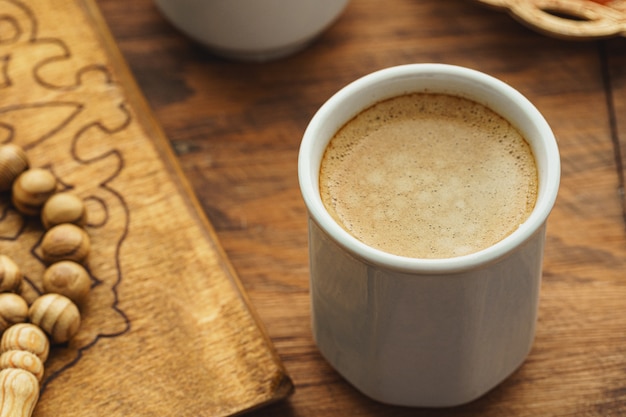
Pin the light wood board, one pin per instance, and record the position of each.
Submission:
(568, 19)
(168, 329)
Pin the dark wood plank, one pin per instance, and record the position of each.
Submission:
(615, 53)
(237, 128)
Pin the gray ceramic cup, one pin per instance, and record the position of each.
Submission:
(252, 30)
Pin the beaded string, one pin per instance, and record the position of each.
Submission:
(53, 317)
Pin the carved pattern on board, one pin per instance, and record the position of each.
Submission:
(64, 114)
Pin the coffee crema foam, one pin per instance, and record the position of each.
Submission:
(429, 176)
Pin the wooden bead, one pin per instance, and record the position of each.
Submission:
(65, 242)
(21, 359)
(10, 274)
(31, 190)
(20, 392)
(67, 278)
(57, 315)
(13, 310)
(63, 208)
(13, 161)
(28, 337)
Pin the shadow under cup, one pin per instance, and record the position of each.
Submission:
(425, 332)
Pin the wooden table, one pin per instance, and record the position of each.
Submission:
(237, 127)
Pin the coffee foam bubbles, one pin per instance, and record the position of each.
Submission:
(429, 176)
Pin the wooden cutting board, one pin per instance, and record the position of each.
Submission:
(168, 329)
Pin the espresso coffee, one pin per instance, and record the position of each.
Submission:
(428, 176)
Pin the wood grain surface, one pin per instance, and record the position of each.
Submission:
(167, 329)
(237, 127)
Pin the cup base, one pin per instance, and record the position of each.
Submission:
(252, 30)
(264, 55)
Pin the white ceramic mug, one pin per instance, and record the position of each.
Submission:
(425, 332)
(256, 30)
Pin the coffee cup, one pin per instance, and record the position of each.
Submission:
(252, 30)
(417, 331)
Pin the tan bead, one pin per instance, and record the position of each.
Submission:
(10, 274)
(65, 242)
(21, 359)
(67, 278)
(13, 310)
(63, 208)
(20, 392)
(13, 161)
(31, 190)
(57, 315)
(28, 337)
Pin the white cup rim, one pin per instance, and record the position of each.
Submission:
(372, 88)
